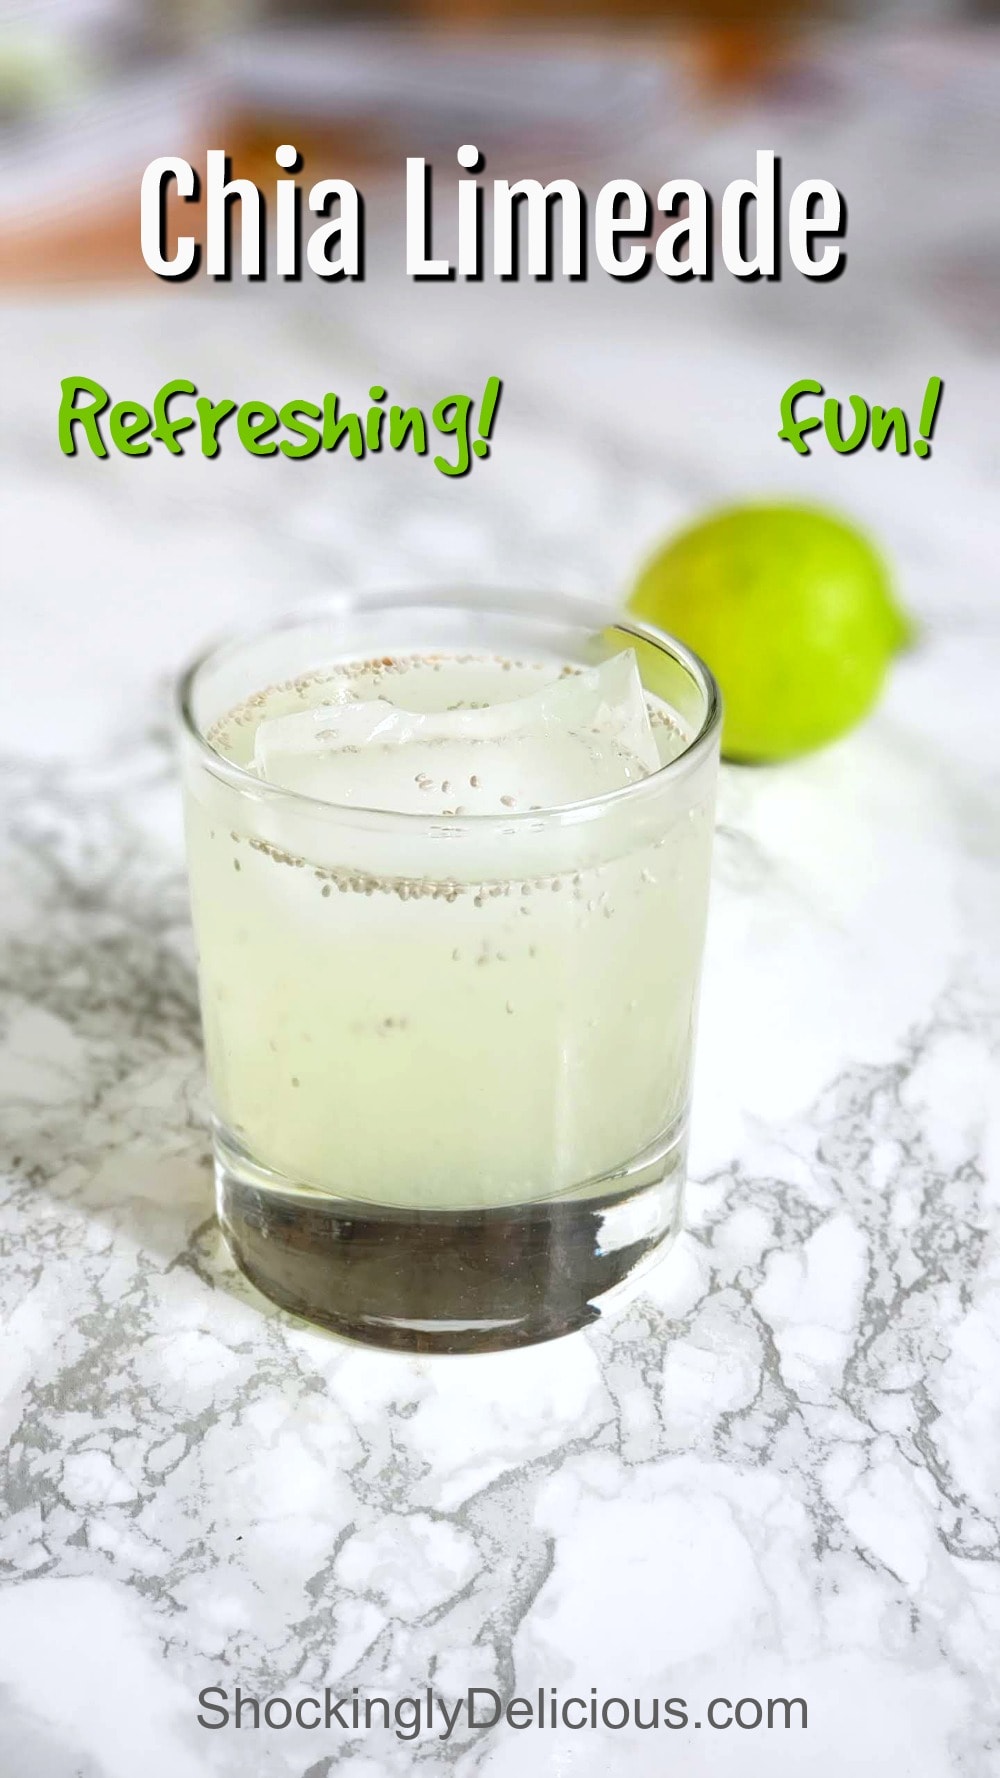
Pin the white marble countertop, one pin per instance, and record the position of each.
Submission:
(776, 1474)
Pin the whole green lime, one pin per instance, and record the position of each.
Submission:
(792, 609)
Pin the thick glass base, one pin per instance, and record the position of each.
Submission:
(421, 1280)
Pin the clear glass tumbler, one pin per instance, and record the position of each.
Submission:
(449, 1056)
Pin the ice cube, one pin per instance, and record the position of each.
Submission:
(580, 736)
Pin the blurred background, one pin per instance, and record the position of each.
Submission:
(627, 409)
(87, 85)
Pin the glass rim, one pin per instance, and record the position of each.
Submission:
(489, 600)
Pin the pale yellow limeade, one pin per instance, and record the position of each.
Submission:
(459, 1010)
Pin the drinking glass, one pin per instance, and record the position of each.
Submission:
(449, 1056)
